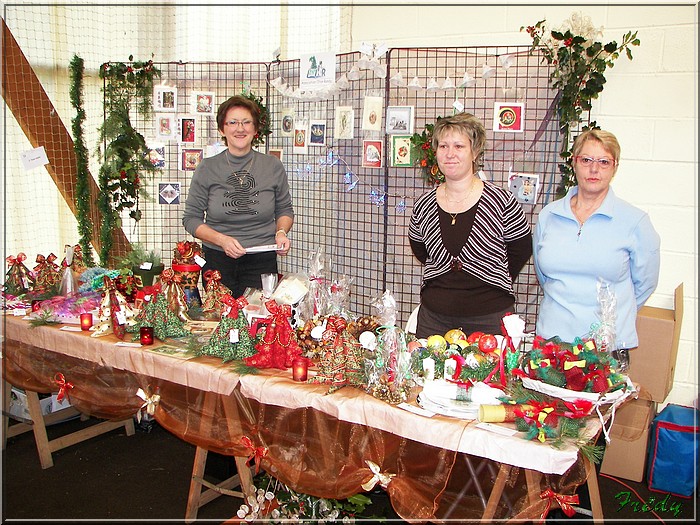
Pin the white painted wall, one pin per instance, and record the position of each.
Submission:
(649, 103)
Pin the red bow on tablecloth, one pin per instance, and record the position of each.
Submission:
(256, 453)
(63, 385)
(235, 304)
(565, 502)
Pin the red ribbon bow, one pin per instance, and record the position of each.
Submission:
(235, 304)
(212, 275)
(280, 311)
(16, 260)
(255, 453)
(565, 502)
(63, 385)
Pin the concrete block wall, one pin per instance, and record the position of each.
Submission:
(650, 103)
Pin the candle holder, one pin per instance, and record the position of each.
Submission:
(36, 305)
(300, 368)
(146, 334)
(85, 321)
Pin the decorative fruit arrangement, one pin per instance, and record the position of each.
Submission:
(476, 354)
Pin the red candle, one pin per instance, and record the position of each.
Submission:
(85, 321)
(36, 305)
(300, 368)
(146, 333)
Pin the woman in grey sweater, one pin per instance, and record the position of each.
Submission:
(239, 199)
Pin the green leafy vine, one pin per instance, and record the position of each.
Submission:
(122, 149)
(82, 187)
(579, 63)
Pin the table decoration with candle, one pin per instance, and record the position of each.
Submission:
(85, 321)
(300, 369)
(146, 335)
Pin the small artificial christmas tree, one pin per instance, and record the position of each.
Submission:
(278, 346)
(231, 338)
(157, 314)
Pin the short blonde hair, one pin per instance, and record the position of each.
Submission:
(605, 138)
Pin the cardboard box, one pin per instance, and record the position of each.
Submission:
(653, 363)
(626, 454)
(19, 407)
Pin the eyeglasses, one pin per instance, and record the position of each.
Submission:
(234, 123)
(603, 163)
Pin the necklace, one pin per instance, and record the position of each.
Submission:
(454, 215)
(242, 173)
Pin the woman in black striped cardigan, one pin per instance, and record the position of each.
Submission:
(471, 236)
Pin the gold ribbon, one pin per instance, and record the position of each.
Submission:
(150, 403)
(377, 477)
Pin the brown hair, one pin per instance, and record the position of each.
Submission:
(237, 101)
(465, 124)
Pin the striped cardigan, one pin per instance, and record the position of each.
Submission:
(499, 219)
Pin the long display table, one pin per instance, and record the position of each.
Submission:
(317, 443)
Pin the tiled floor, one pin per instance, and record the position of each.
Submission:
(146, 477)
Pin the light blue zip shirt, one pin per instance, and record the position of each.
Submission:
(617, 243)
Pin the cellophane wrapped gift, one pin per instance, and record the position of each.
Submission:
(603, 332)
(388, 366)
(69, 280)
(114, 314)
(339, 297)
(315, 303)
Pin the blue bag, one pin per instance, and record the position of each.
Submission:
(673, 451)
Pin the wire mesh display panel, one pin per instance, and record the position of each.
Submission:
(161, 227)
(482, 77)
(355, 214)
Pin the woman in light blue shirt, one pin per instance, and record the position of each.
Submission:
(591, 235)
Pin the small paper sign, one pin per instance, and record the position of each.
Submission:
(233, 335)
(200, 261)
(146, 265)
(121, 318)
(34, 158)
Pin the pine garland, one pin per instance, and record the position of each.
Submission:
(82, 199)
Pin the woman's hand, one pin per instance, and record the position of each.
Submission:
(232, 247)
(283, 242)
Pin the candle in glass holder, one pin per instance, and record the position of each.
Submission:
(85, 321)
(146, 335)
(300, 368)
(36, 305)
